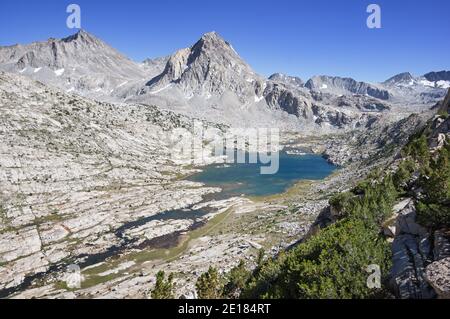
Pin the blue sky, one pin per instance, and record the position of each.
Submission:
(296, 37)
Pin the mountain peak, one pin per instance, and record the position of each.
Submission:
(213, 35)
(287, 79)
(81, 35)
(400, 78)
(212, 40)
(209, 68)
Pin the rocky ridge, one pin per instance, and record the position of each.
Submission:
(209, 80)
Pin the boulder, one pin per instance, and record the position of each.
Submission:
(406, 222)
(390, 225)
(437, 275)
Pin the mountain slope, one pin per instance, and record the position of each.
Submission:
(74, 172)
(209, 80)
(287, 79)
(416, 90)
(405, 78)
(210, 66)
(79, 63)
(338, 85)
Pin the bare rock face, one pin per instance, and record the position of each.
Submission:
(79, 63)
(406, 222)
(446, 104)
(411, 251)
(296, 103)
(410, 257)
(438, 276)
(441, 244)
(421, 263)
(158, 64)
(81, 178)
(438, 76)
(209, 67)
(362, 103)
(358, 145)
(404, 78)
(287, 79)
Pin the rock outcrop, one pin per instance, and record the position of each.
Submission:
(287, 79)
(81, 178)
(438, 276)
(210, 67)
(438, 76)
(411, 253)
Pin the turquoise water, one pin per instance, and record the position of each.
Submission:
(245, 179)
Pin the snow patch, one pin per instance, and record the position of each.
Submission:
(162, 89)
(70, 90)
(233, 49)
(258, 98)
(122, 84)
(443, 84)
(37, 70)
(21, 71)
(427, 83)
(59, 72)
(324, 86)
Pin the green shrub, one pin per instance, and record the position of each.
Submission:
(210, 285)
(163, 288)
(433, 210)
(433, 215)
(263, 282)
(333, 263)
(417, 148)
(403, 174)
(236, 281)
(341, 202)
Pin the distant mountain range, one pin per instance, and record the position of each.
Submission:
(210, 80)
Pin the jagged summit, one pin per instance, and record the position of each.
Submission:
(213, 39)
(215, 45)
(287, 79)
(210, 67)
(212, 36)
(399, 78)
(81, 35)
(438, 76)
(79, 63)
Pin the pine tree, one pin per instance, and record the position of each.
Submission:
(209, 285)
(163, 288)
(236, 281)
